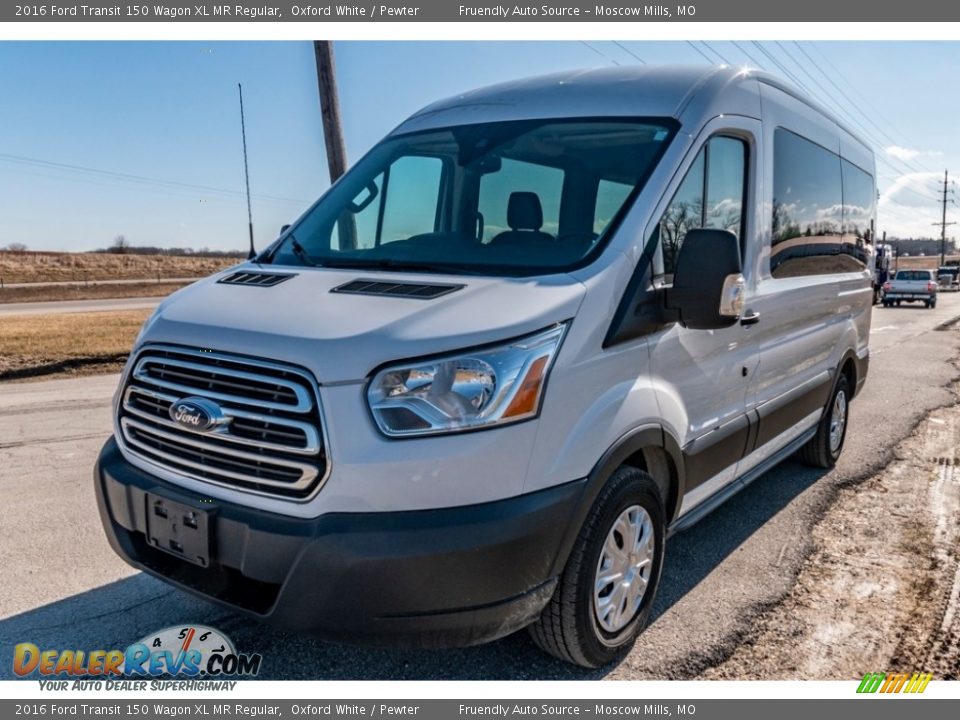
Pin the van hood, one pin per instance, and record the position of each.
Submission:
(341, 337)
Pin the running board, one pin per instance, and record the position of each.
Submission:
(715, 501)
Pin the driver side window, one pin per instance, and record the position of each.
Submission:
(710, 196)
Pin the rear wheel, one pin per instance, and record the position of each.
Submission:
(605, 594)
(823, 449)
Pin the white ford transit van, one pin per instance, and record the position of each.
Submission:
(476, 386)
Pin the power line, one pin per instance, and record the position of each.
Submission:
(701, 53)
(749, 56)
(838, 104)
(601, 54)
(855, 89)
(629, 52)
(782, 67)
(107, 182)
(906, 188)
(128, 177)
(866, 116)
(829, 79)
(715, 52)
(839, 108)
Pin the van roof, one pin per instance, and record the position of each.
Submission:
(687, 93)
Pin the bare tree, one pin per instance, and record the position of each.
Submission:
(120, 245)
(16, 247)
(678, 220)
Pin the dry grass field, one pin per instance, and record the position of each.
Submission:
(70, 343)
(29, 267)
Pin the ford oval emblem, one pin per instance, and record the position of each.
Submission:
(197, 414)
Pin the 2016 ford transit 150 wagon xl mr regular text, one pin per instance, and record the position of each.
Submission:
(474, 388)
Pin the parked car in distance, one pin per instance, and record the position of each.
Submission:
(474, 388)
(948, 278)
(911, 286)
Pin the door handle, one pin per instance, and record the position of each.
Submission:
(751, 317)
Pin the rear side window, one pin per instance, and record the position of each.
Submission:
(859, 205)
(814, 231)
(710, 196)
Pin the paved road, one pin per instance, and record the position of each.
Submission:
(74, 306)
(63, 587)
(87, 283)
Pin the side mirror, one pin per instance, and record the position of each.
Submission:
(708, 287)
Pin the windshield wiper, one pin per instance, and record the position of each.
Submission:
(301, 253)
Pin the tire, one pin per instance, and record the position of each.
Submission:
(898, 303)
(823, 449)
(886, 304)
(573, 625)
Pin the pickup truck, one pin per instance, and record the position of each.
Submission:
(911, 286)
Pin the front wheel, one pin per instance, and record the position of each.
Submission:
(604, 596)
(824, 448)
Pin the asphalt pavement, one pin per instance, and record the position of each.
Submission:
(55, 307)
(88, 283)
(63, 587)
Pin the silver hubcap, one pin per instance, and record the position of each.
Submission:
(623, 570)
(838, 420)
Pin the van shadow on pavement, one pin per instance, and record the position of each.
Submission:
(120, 613)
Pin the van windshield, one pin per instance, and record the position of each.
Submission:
(510, 198)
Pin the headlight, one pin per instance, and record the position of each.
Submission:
(474, 389)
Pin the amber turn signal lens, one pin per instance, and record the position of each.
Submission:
(525, 401)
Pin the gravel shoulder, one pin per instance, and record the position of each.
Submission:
(879, 592)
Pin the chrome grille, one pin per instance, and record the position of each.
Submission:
(270, 443)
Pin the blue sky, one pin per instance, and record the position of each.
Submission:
(143, 139)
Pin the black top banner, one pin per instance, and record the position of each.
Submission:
(452, 11)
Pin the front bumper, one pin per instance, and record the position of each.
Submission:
(429, 578)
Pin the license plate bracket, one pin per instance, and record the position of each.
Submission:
(179, 528)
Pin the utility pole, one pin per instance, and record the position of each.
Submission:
(943, 222)
(330, 109)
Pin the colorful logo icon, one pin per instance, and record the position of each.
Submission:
(894, 683)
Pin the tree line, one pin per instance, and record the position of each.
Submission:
(121, 246)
